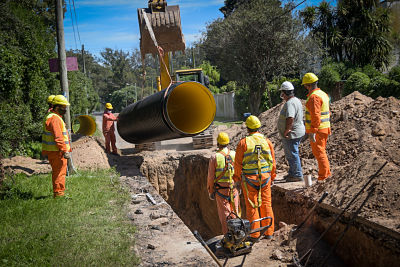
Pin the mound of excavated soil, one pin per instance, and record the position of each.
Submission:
(365, 133)
(87, 153)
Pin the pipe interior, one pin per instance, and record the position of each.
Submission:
(87, 125)
(191, 107)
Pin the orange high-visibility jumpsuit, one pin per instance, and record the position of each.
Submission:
(108, 131)
(56, 159)
(318, 148)
(223, 205)
(265, 209)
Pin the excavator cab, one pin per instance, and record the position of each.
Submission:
(196, 75)
(165, 22)
(157, 5)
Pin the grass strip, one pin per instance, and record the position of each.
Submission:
(88, 227)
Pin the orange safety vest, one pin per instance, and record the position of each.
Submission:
(325, 113)
(48, 142)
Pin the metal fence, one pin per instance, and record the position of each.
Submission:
(225, 106)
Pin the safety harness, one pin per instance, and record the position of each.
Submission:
(229, 170)
(262, 159)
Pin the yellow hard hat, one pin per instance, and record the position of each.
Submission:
(60, 100)
(309, 78)
(50, 99)
(252, 122)
(223, 138)
(109, 106)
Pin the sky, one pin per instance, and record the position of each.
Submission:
(114, 23)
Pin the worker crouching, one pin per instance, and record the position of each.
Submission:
(56, 143)
(220, 184)
(255, 169)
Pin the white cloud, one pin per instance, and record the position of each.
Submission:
(191, 37)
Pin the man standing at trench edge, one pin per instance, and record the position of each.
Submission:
(291, 130)
(255, 167)
(318, 126)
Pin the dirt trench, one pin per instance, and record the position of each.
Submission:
(181, 180)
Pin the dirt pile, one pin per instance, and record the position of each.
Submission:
(365, 133)
(87, 153)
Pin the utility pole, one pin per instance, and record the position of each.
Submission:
(194, 63)
(62, 59)
(135, 93)
(84, 72)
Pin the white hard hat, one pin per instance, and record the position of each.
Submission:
(286, 86)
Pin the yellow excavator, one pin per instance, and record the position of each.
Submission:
(160, 27)
(180, 108)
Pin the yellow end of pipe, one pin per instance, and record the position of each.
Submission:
(87, 125)
(191, 107)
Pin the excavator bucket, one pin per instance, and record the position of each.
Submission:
(166, 25)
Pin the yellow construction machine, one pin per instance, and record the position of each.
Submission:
(192, 75)
(179, 109)
(160, 28)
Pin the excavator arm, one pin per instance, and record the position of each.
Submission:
(160, 27)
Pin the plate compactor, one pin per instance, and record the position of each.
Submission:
(237, 241)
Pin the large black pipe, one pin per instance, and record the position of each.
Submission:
(183, 110)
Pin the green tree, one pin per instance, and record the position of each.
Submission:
(358, 81)
(81, 93)
(26, 43)
(328, 77)
(230, 86)
(230, 6)
(120, 65)
(356, 31)
(258, 41)
(123, 98)
(212, 74)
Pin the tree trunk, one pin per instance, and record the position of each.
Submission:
(254, 100)
(1, 171)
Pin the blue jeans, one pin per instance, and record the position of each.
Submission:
(291, 148)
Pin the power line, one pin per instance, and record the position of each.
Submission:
(73, 25)
(76, 22)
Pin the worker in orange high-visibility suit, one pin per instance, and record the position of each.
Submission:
(56, 143)
(220, 184)
(109, 128)
(255, 167)
(318, 125)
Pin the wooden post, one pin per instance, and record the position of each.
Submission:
(62, 59)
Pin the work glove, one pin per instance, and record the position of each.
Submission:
(312, 137)
(67, 155)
